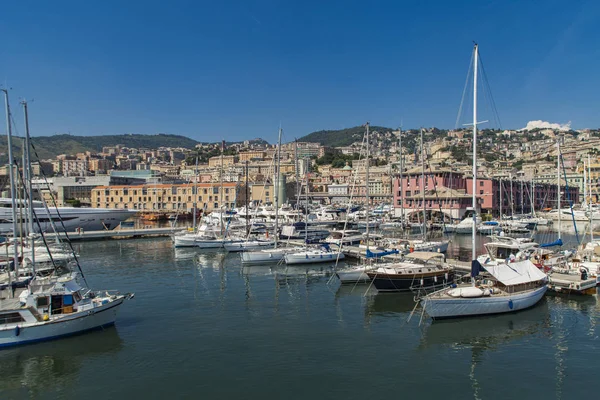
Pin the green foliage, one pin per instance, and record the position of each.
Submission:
(73, 202)
(51, 146)
(336, 158)
(342, 137)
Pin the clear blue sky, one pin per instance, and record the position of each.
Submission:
(236, 69)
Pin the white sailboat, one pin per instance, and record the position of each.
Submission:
(502, 287)
(45, 308)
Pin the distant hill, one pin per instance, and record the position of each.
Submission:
(51, 146)
(342, 137)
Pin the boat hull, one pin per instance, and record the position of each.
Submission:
(353, 276)
(440, 308)
(237, 247)
(406, 282)
(79, 323)
(311, 258)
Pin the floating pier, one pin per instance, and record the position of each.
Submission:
(127, 233)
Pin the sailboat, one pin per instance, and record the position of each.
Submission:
(499, 288)
(312, 254)
(206, 237)
(276, 254)
(51, 307)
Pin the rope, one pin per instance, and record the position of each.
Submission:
(60, 218)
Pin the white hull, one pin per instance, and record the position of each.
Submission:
(311, 257)
(76, 323)
(266, 256)
(438, 308)
(200, 242)
(351, 276)
(247, 246)
(90, 219)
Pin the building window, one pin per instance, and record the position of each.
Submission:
(480, 183)
(215, 190)
(216, 205)
(481, 192)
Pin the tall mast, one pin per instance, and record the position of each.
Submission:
(306, 205)
(367, 185)
(298, 183)
(221, 188)
(11, 173)
(558, 187)
(247, 209)
(27, 184)
(276, 187)
(501, 200)
(533, 196)
(474, 232)
(589, 175)
(401, 185)
(195, 191)
(423, 187)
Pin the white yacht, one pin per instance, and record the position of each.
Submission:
(73, 218)
(50, 308)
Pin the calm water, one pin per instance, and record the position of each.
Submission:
(201, 325)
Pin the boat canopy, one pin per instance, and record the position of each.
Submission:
(516, 273)
(370, 254)
(424, 255)
(558, 242)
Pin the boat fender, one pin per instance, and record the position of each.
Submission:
(270, 255)
(45, 317)
(446, 277)
(321, 255)
(421, 282)
(306, 255)
(510, 304)
(453, 285)
(435, 278)
(487, 292)
(17, 330)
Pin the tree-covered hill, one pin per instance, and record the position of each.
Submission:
(51, 146)
(342, 137)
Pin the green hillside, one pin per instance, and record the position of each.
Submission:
(342, 137)
(51, 146)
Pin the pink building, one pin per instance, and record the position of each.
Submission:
(450, 193)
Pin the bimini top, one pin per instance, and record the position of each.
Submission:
(516, 273)
(424, 255)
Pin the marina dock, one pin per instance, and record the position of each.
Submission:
(126, 233)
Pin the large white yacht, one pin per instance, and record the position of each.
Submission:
(90, 219)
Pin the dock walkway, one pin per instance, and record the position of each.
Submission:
(126, 233)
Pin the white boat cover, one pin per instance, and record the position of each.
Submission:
(516, 273)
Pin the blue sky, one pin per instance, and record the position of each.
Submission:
(237, 69)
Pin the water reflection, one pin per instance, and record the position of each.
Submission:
(482, 333)
(39, 369)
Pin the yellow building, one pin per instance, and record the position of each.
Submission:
(216, 161)
(166, 198)
(262, 192)
(251, 155)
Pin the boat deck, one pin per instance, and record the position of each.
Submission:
(571, 283)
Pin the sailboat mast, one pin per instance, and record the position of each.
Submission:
(11, 173)
(27, 184)
(247, 209)
(589, 176)
(558, 187)
(474, 232)
(276, 187)
(423, 187)
(401, 185)
(221, 188)
(501, 199)
(367, 185)
(306, 204)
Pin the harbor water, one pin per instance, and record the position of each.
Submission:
(201, 325)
